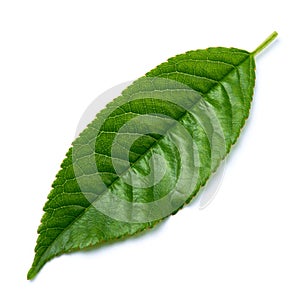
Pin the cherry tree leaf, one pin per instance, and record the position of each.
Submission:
(149, 152)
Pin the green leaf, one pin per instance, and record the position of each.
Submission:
(149, 151)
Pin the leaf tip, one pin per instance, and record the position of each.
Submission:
(31, 274)
(33, 271)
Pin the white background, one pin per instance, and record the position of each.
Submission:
(56, 57)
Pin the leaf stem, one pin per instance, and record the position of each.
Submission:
(265, 43)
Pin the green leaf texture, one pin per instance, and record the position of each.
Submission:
(148, 152)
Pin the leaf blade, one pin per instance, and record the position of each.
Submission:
(86, 225)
